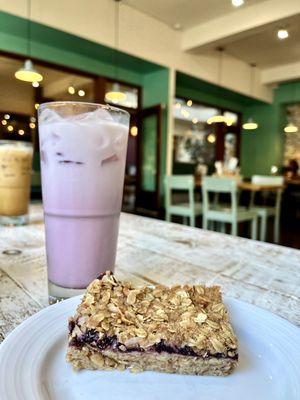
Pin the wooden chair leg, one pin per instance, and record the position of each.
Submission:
(204, 223)
(234, 228)
(263, 228)
(276, 229)
(254, 228)
(192, 220)
(222, 227)
(168, 217)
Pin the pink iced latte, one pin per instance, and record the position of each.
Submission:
(83, 152)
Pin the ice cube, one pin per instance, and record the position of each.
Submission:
(93, 117)
(47, 116)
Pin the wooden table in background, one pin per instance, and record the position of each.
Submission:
(153, 251)
(252, 187)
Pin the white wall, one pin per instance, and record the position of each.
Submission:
(140, 35)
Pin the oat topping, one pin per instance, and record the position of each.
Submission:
(180, 316)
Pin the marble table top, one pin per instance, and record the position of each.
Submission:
(154, 251)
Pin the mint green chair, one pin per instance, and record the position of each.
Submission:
(191, 209)
(232, 214)
(264, 212)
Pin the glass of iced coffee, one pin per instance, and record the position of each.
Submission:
(83, 152)
(15, 178)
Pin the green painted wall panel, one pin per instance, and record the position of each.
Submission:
(187, 86)
(149, 150)
(155, 91)
(209, 98)
(264, 147)
(62, 48)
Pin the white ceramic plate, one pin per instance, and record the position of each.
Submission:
(33, 367)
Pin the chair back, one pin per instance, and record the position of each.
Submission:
(179, 182)
(270, 181)
(267, 180)
(219, 185)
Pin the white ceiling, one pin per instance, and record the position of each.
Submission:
(187, 13)
(265, 49)
(261, 46)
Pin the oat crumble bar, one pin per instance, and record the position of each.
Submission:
(182, 329)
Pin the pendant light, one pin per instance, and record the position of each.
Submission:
(115, 95)
(28, 73)
(250, 124)
(291, 127)
(220, 118)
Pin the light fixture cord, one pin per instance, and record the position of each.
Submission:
(221, 50)
(252, 78)
(117, 21)
(29, 28)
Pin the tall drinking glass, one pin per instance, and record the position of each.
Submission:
(15, 178)
(83, 152)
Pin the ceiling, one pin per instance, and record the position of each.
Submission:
(260, 46)
(187, 13)
(265, 49)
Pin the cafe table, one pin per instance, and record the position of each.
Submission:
(152, 251)
(249, 186)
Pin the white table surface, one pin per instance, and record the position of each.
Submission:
(157, 252)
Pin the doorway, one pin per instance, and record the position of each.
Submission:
(149, 161)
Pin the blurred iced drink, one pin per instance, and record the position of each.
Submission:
(15, 178)
(83, 151)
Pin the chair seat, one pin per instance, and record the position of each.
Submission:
(264, 211)
(184, 209)
(223, 214)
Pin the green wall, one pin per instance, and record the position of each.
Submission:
(264, 146)
(187, 86)
(156, 88)
(61, 48)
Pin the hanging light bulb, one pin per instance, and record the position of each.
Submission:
(211, 138)
(250, 124)
(290, 128)
(81, 93)
(219, 118)
(216, 119)
(28, 73)
(134, 131)
(115, 95)
(282, 34)
(71, 90)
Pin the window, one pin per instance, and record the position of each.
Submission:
(130, 95)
